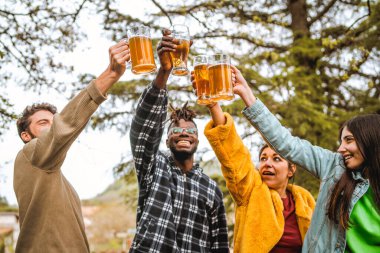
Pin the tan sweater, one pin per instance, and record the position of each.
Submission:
(50, 210)
(259, 223)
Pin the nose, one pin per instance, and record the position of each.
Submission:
(268, 163)
(341, 148)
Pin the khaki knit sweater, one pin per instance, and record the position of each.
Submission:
(259, 221)
(50, 210)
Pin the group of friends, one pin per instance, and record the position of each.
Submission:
(180, 209)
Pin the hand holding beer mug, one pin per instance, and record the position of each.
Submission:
(220, 77)
(179, 56)
(140, 45)
(202, 84)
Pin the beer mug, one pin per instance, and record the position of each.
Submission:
(220, 77)
(201, 80)
(179, 56)
(140, 47)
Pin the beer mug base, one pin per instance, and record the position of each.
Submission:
(144, 69)
(204, 101)
(222, 96)
(180, 71)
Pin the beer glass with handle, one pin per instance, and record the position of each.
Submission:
(179, 56)
(201, 80)
(220, 77)
(140, 46)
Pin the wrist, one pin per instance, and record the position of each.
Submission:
(249, 99)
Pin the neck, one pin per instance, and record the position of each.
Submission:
(282, 192)
(184, 164)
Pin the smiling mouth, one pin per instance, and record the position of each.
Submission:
(183, 143)
(347, 157)
(268, 173)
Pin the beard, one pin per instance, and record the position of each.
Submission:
(182, 155)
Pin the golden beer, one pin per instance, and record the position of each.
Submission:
(202, 84)
(220, 78)
(179, 58)
(142, 55)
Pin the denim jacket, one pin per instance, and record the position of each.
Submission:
(323, 235)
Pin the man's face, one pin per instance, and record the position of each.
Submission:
(183, 139)
(40, 122)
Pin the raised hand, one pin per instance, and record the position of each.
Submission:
(119, 55)
(241, 87)
(167, 44)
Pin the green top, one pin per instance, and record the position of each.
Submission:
(364, 233)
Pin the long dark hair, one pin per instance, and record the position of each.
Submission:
(366, 131)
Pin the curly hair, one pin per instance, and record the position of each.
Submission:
(181, 113)
(23, 122)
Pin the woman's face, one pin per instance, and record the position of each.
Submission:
(274, 170)
(353, 158)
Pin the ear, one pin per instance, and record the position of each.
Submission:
(25, 136)
(292, 170)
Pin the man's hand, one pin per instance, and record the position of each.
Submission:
(167, 44)
(119, 55)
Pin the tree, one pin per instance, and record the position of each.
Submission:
(314, 63)
(31, 35)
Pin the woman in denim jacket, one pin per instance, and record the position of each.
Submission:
(347, 213)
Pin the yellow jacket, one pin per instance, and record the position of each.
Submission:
(259, 221)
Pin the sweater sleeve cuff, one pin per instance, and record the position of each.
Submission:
(95, 94)
(219, 132)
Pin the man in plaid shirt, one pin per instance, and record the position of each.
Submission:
(180, 209)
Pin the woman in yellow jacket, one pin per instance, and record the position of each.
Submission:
(271, 216)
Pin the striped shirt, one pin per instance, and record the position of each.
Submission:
(176, 212)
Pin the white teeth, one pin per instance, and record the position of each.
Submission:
(347, 157)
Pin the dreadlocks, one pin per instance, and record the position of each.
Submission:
(181, 113)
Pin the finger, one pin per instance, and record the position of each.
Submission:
(168, 44)
(166, 31)
(118, 49)
(165, 49)
(123, 54)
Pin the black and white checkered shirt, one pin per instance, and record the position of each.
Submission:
(177, 212)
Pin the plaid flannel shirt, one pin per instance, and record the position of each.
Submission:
(176, 212)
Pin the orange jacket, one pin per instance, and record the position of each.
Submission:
(259, 221)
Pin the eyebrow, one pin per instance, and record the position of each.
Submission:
(41, 120)
(348, 136)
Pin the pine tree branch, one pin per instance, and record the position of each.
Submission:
(163, 11)
(322, 13)
(256, 42)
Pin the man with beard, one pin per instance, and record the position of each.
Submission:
(180, 209)
(49, 207)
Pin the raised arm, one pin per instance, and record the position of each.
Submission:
(50, 148)
(149, 121)
(237, 167)
(313, 158)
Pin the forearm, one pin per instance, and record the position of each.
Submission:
(105, 81)
(248, 98)
(161, 78)
(217, 114)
